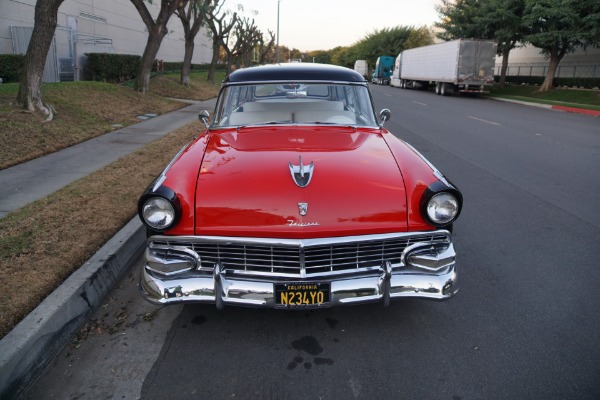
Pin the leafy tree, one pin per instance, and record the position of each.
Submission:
(459, 20)
(192, 16)
(295, 54)
(157, 29)
(388, 42)
(560, 26)
(500, 20)
(339, 56)
(418, 37)
(30, 93)
(319, 56)
(505, 18)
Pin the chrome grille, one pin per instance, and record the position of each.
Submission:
(290, 257)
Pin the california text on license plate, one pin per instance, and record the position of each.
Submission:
(301, 294)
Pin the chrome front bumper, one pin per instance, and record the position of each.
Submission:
(426, 270)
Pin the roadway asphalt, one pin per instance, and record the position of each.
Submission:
(34, 342)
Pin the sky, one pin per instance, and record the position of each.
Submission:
(325, 24)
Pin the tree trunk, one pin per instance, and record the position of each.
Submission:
(187, 62)
(504, 68)
(155, 37)
(555, 56)
(196, 11)
(30, 95)
(213, 64)
(156, 32)
(229, 67)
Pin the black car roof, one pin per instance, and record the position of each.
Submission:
(295, 72)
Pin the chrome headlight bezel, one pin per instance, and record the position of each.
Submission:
(441, 204)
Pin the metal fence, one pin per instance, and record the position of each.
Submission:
(564, 70)
(21, 35)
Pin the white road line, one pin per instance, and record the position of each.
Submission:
(421, 104)
(483, 120)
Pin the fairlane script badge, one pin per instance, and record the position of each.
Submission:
(303, 208)
(291, 222)
(302, 173)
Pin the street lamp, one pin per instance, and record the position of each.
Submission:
(277, 46)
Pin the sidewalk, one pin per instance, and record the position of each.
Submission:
(36, 179)
(33, 343)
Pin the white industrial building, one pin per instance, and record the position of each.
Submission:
(529, 61)
(93, 26)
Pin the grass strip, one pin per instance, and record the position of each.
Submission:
(84, 110)
(44, 242)
(576, 98)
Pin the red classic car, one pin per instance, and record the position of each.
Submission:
(296, 196)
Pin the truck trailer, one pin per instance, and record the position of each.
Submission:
(462, 65)
(362, 68)
(383, 70)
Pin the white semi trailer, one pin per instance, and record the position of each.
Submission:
(462, 65)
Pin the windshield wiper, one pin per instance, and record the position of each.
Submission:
(274, 122)
(264, 123)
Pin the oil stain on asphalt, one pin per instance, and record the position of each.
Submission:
(310, 345)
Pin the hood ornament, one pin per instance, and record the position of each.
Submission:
(302, 174)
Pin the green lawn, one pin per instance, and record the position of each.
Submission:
(578, 98)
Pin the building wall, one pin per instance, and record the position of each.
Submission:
(529, 61)
(111, 26)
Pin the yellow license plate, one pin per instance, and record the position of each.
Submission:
(302, 294)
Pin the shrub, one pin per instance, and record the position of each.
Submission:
(10, 67)
(176, 67)
(112, 68)
(588, 83)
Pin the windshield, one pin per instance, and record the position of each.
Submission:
(294, 103)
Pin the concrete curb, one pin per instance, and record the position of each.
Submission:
(524, 103)
(593, 113)
(34, 342)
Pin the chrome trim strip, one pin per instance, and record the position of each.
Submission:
(299, 242)
(436, 172)
(245, 83)
(163, 174)
(428, 256)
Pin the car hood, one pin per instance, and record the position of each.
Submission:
(246, 184)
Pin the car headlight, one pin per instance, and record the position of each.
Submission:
(158, 213)
(441, 204)
(159, 208)
(442, 208)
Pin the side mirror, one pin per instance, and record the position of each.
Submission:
(384, 115)
(204, 116)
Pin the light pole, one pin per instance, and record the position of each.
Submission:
(277, 45)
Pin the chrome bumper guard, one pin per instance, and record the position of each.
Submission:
(426, 270)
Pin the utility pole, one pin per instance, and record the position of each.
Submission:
(277, 46)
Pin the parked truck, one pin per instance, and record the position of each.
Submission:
(383, 70)
(462, 65)
(362, 68)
